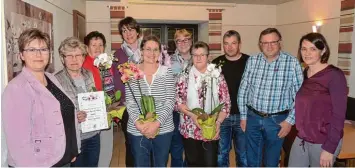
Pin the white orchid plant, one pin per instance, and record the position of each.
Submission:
(104, 61)
(206, 120)
(213, 72)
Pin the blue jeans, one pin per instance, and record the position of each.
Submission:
(262, 136)
(142, 148)
(90, 152)
(230, 130)
(176, 147)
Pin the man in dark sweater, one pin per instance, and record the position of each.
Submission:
(233, 63)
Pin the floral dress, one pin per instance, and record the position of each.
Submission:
(187, 128)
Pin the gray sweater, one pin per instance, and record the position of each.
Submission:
(69, 87)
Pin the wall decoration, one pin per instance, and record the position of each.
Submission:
(79, 25)
(20, 16)
(117, 13)
(215, 32)
(345, 33)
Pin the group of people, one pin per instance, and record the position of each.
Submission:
(262, 97)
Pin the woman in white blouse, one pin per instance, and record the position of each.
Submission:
(158, 81)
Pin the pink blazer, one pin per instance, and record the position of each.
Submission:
(33, 122)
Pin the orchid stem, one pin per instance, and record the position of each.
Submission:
(140, 90)
(134, 97)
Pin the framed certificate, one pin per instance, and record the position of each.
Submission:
(93, 103)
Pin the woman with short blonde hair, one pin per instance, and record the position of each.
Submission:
(182, 32)
(180, 60)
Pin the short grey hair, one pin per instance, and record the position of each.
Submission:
(69, 44)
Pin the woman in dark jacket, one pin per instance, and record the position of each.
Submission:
(128, 52)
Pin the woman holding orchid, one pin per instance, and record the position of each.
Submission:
(156, 81)
(195, 89)
(96, 43)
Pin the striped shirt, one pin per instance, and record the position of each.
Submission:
(270, 87)
(162, 89)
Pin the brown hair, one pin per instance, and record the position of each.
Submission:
(269, 31)
(130, 23)
(231, 33)
(150, 38)
(319, 41)
(200, 44)
(31, 34)
(94, 35)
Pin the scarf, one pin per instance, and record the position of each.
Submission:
(133, 56)
(184, 63)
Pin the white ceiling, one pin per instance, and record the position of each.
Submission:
(264, 2)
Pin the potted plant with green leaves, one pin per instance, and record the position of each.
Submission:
(112, 98)
(207, 119)
(131, 73)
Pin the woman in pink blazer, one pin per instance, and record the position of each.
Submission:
(38, 117)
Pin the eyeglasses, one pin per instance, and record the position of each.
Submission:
(73, 56)
(182, 41)
(271, 43)
(154, 51)
(33, 51)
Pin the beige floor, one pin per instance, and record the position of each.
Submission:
(118, 158)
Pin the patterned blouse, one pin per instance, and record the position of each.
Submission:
(187, 128)
(178, 63)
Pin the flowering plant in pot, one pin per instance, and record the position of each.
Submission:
(131, 73)
(207, 119)
(112, 98)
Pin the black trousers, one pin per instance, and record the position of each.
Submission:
(199, 153)
(129, 156)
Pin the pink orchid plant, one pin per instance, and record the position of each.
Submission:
(129, 71)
